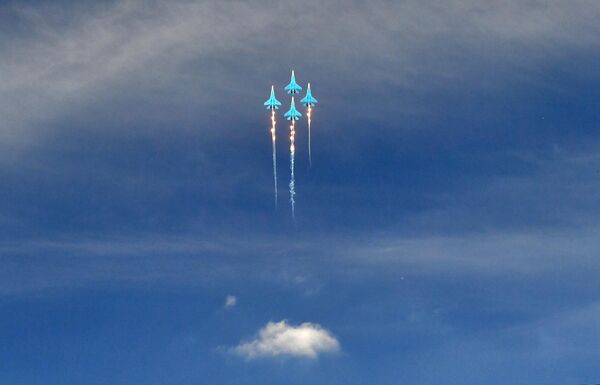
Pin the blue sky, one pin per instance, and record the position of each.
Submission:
(447, 231)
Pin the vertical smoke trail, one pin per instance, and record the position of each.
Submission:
(292, 177)
(309, 153)
(274, 153)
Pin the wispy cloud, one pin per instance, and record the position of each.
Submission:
(139, 51)
(280, 339)
(69, 60)
(35, 266)
(498, 253)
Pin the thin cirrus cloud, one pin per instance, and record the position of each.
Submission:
(58, 67)
(281, 339)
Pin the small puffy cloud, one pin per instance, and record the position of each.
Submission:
(280, 339)
(230, 301)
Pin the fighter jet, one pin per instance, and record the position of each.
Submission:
(308, 100)
(272, 103)
(293, 114)
(293, 87)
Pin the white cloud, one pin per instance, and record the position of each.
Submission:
(280, 339)
(230, 301)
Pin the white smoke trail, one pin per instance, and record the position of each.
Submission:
(292, 177)
(274, 153)
(309, 152)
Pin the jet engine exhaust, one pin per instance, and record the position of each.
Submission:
(273, 104)
(292, 177)
(309, 151)
(273, 123)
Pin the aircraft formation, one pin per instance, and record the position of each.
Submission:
(293, 115)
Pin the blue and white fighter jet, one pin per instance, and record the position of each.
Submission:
(293, 114)
(272, 103)
(293, 87)
(309, 100)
